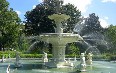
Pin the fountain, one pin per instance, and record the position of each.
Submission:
(59, 41)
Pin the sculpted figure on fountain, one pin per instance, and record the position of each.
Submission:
(45, 59)
(83, 63)
(89, 59)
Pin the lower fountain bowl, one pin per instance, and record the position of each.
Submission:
(36, 66)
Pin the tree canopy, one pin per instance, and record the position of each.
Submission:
(37, 20)
(111, 36)
(9, 23)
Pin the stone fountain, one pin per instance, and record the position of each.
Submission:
(59, 41)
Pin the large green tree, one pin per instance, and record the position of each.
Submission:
(9, 25)
(37, 20)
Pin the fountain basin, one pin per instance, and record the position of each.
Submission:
(35, 66)
(59, 38)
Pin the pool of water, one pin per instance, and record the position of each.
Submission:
(35, 66)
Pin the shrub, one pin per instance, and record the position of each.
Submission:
(22, 55)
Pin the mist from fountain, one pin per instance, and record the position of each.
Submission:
(32, 46)
(93, 50)
(93, 38)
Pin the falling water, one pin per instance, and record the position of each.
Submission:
(33, 45)
(92, 49)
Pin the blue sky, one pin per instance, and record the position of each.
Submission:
(105, 9)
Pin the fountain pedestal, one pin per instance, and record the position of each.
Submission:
(58, 53)
(59, 58)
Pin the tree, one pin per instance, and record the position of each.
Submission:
(72, 49)
(91, 24)
(9, 25)
(37, 20)
(111, 36)
(74, 14)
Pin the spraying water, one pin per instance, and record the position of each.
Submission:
(91, 34)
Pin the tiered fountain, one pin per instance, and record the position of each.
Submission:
(59, 41)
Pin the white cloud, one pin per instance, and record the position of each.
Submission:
(104, 23)
(18, 12)
(109, 1)
(34, 6)
(82, 5)
(40, 1)
(106, 18)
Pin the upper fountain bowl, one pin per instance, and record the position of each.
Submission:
(60, 38)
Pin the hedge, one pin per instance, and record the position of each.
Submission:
(23, 55)
(12, 55)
